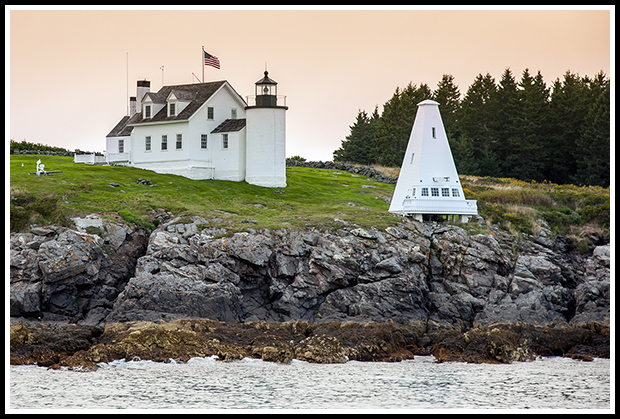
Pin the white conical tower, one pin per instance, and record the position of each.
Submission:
(428, 185)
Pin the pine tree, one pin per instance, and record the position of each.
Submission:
(449, 98)
(504, 124)
(525, 146)
(395, 124)
(475, 121)
(568, 109)
(357, 147)
(592, 151)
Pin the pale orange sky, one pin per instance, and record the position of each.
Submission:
(66, 70)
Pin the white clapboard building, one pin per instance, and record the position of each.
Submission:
(428, 185)
(205, 131)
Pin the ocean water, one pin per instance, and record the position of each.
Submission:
(208, 384)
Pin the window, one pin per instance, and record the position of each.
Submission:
(434, 191)
(233, 113)
(424, 191)
(179, 141)
(209, 113)
(147, 143)
(147, 111)
(412, 155)
(224, 140)
(455, 192)
(203, 141)
(164, 142)
(445, 192)
(121, 146)
(433, 129)
(172, 109)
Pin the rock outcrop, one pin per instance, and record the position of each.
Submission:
(413, 272)
(69, 275)
(457, 289)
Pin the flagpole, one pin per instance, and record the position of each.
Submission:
(203, 63)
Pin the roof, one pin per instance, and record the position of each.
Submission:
(230, 125)
(121, 129)
(428, 102)
(198, 93)
(266, 80)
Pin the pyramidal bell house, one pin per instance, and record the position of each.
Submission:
(205, 131)
(428, 186)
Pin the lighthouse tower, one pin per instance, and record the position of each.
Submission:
(266, 136)
(428, 185)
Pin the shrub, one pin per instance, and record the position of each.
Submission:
(595, 213)
(27, 208)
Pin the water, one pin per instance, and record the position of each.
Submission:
(204, 383)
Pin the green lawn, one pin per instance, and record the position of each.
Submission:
(313, 197)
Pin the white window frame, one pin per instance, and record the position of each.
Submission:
(204, 138)
(164, 142)
(424, 191)
(435, 192)
(179, 139)
(225, 143)
(455, 192)
(445, 192)
(147, 111)
(172, 109)
(147, 143)
(210, 110)
(121, 146)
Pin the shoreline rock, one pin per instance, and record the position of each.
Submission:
(74, 346)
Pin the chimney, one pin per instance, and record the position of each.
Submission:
(132, 106)
(144, 86)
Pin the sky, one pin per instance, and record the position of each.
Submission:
(69, 72)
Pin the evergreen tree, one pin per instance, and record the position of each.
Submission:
(504, 124)
(568, 109)
(395, 124)
(449, 98)
(475, 120)
(464, 156)
(525, 146)
(592, 151)
(357, 147)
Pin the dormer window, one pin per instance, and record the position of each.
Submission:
(172, 109)
(147, 111)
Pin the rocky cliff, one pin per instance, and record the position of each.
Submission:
(415, 273)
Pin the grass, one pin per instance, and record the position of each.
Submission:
(520, 207)
(312, 198)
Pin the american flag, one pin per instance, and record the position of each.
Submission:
(211, 60)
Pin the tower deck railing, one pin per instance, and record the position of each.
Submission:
(280, 100)
(440, 206)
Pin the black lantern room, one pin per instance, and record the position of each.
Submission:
(266, 91)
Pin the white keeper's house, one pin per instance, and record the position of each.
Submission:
(205, 131)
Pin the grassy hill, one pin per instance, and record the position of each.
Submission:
(313, 198)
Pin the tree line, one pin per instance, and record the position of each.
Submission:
(519, 129)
